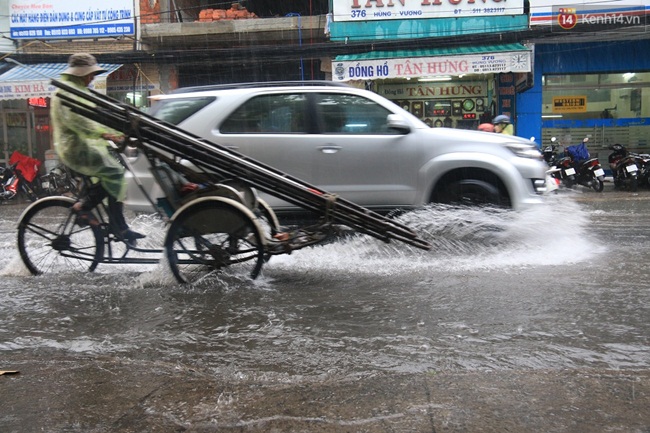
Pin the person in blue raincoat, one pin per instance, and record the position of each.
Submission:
(82, 145)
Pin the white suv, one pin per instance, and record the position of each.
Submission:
(353, 143)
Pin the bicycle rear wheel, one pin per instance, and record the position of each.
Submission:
(50, 241)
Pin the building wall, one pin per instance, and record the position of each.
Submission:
(149, 14)
(6, 45)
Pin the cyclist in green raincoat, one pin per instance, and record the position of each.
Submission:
(82, 145)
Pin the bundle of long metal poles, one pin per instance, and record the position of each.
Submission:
(218, 163)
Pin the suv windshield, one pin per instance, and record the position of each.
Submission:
(176, 110)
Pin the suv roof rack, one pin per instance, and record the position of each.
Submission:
(252, 85)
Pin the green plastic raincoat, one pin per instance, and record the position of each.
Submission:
(78, 142)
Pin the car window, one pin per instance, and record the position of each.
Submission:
(352, 114)
(269, 114)
(176, 110)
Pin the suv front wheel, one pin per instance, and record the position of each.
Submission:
(473, 187)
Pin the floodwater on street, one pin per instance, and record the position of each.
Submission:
(563, 286)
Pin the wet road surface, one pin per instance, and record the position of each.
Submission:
(514, 322)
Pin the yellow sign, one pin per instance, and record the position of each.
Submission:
(569, 104)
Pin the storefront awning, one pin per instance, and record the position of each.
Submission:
(33, 81)
(433, 62)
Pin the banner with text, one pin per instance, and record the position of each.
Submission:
(39, 88)
(420, 67)
(70, 19)
(368, 10)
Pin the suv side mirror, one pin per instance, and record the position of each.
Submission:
(395, 121)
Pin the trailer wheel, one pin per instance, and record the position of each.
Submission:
(211, 235)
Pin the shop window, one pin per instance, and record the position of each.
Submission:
(596, 96)
(609, 108)
(135, 99)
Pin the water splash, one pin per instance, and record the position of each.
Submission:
(462, 239)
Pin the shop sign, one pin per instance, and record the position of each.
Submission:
(114, 87)
(463, 89)
(39, 88)
(70, 19)
(370, 10)
(125, 73)
(39, 102)
(126, 79)
(569, 104)
(24, 90)
(414, 67)
(506, 94)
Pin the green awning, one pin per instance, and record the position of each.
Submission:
(433, 52)
(433, 62)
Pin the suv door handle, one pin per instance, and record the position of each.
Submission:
(329, 148)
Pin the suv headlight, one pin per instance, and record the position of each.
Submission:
(523, 150)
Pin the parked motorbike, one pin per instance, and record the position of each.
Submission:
(642, 161)
(14, 182)
(560, 165)
(589, 172)
(60, 181)
(9, 184)
(624, 169)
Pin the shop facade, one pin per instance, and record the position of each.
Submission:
(454, 88)
(449, 86)
(595, 82)
(46, 31)
(24, 127)
(25, 107)
(568, 90)
(597, 90)
(25, 101)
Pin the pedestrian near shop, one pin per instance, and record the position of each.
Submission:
(486, 127)
(502, 125)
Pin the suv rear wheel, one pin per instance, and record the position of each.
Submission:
(473, 187)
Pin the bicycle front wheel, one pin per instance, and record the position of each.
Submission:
(50, 241)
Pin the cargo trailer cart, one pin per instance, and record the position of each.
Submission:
(220, 223)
